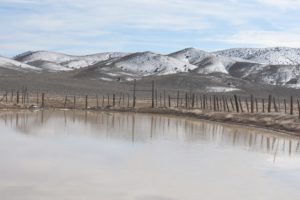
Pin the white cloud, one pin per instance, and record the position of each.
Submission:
(69, 24)
(263, 39)
(283, 4)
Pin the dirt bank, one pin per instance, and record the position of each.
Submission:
(280, 123)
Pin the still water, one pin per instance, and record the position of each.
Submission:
(73, 155)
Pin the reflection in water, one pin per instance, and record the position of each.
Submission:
(99, 155)
(155, 127)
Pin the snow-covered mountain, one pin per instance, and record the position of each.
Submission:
(53, 61)
(11, 64)
(271, 56)
(275, 66)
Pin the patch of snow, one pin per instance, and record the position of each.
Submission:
(67, 61)
(15, 65)
(272, 56)
(221, 89)
(106, 79)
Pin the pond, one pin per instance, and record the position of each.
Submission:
(77, 155)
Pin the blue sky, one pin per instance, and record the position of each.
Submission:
(84, 27)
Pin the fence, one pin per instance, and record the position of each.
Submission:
(153, 98)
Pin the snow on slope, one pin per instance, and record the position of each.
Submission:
(15, 65)
(206, 62)
(190, 55)
(273, 56)
(214, 63)
(65, 61)
(149, 63)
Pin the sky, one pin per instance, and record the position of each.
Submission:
(92, 26)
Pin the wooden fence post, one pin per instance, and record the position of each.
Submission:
(269, 103)
(292, 106)
(134, 98)
(298, 109)
(275, 106)
(97, 103)
(86, 102)
(74, 103)
(252, 103)
(114, 101)
(177, 98)
(256, 103)
(241, 105)
(285, 110)
(236, 103)
(43, 100)
(164, 98)
(247, 105)
(66, 99)
(186, 100)
(152, 94)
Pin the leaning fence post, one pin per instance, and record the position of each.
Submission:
(236, 103)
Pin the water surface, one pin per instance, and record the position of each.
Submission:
(67, 155)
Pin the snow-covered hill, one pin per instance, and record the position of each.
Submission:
(275, 66)
(272, 56)
(190, 55)
(149, 63)
(60, 62)
(15, 65)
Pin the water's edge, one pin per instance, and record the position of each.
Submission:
(279, 124)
